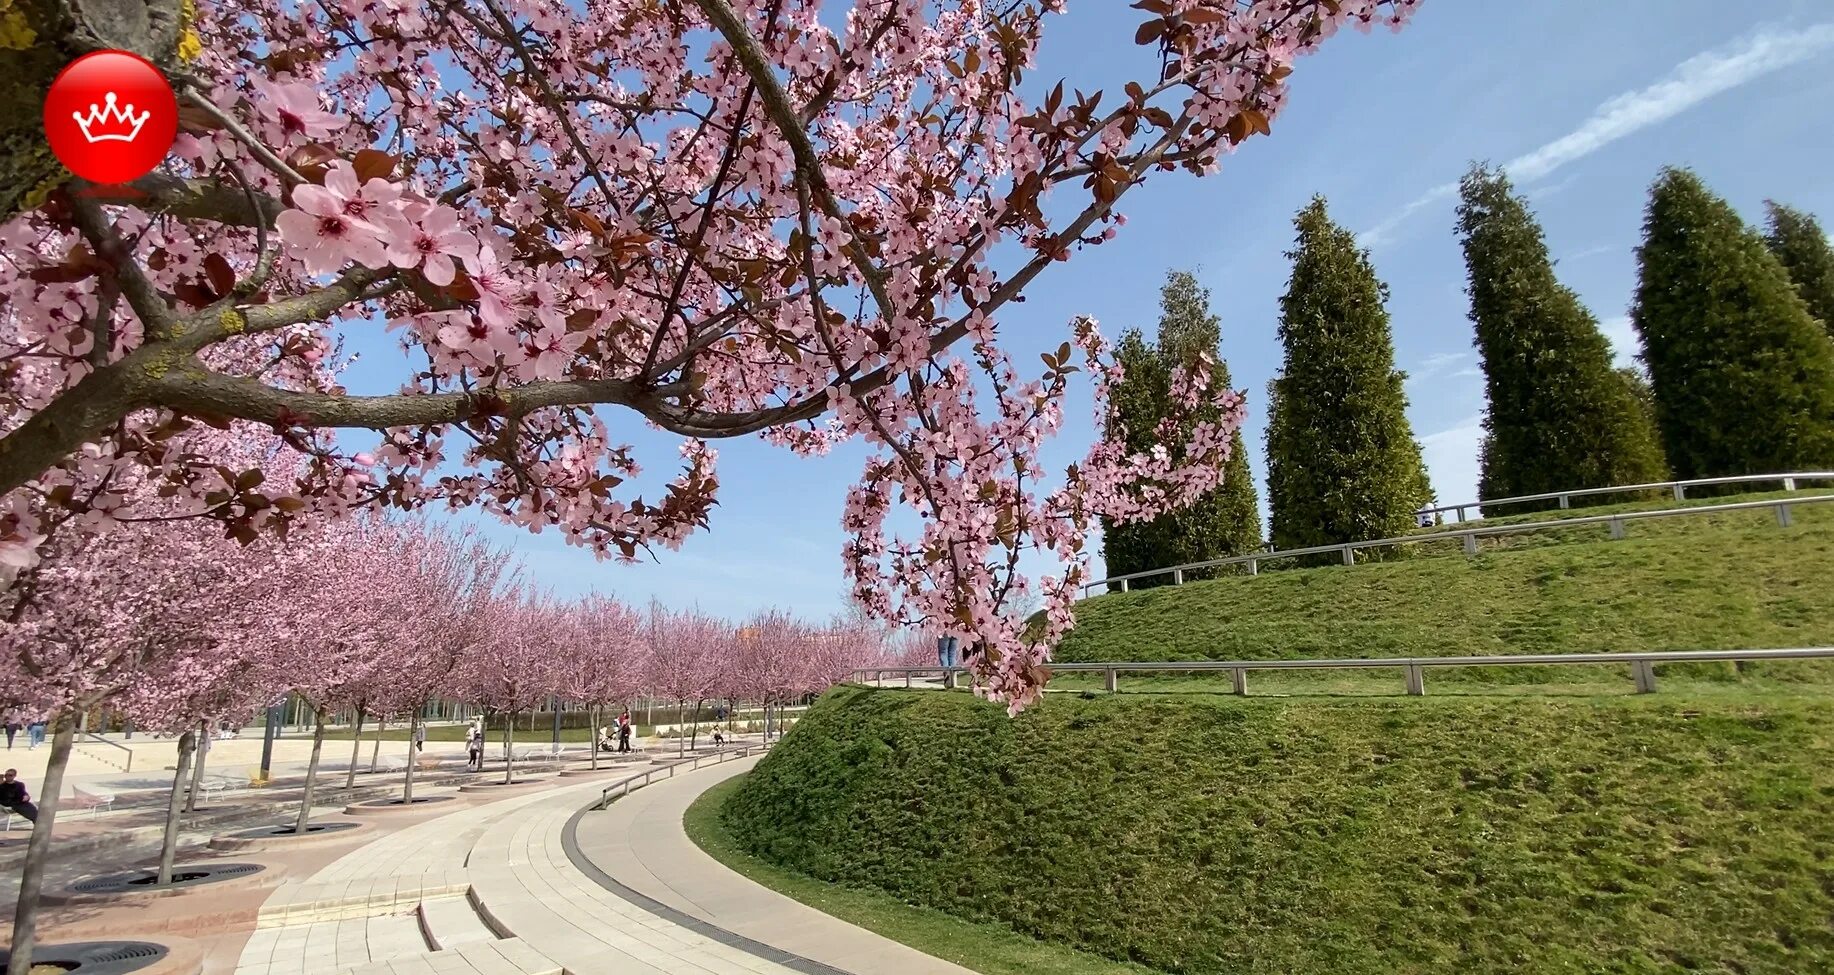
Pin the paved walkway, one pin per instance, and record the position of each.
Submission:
(639, 843)
(538, 883)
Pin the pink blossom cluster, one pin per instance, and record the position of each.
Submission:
(726, 219)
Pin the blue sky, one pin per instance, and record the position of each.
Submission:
(1585, 100)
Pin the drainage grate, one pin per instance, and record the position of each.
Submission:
(95, 957)
(286, 829)
(184, 875)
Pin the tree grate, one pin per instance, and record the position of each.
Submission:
(185, 875)
(96, 957)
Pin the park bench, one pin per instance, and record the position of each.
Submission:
(94, 802)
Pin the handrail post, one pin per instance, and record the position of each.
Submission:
(1789, 484)
(1177, 577)
(1617, 528)
(907, 678)
(1349, 556)
(1461, 514)
(1253, 568)
(1681, 492)
(1111, 679)
(1783, 518)
(1416, 680)
(1470, 544)
(1123, 585)
(1645, 674)
(1239, 677)
(1563, 503)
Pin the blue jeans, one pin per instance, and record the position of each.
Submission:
(945, 652)
(35, 735)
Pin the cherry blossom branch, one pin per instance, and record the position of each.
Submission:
(262, 153)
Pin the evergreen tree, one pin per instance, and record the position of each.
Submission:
(1800, 244)
(1342, 462)
(1223, 522)
(1743, 376)
(1559, 415)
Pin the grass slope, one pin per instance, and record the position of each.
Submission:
(1667, 833)
(1709, 582)
(986, 948)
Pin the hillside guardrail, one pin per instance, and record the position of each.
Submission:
(1469, 536)
(1678, 488)
(1642, 665)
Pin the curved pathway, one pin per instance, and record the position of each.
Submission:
(638, 844)
(544, 883)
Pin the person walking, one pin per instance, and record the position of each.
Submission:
(14, 798)
(474, 749)
(12, 726)
(624, 733)
(35, 734)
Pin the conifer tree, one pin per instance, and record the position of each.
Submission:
(1798, 241)
(1342, 461)
(1743, 376)
(1224, 522)
(1559, 415)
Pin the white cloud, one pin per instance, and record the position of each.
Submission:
(1770, 48)
(1451, 459)
(1436, 364)
(1623, 338)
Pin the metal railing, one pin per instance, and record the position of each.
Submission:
(1678, 488)
(91, 738)
(624, 787)
(1468, 536)
(1642, 665)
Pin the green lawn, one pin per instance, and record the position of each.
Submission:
(1687, 831)
(987, 948)
(1713, 582)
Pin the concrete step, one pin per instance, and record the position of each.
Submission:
(510, 956)
(309, 902)
(449, 922)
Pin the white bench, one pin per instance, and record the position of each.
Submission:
(94, 802)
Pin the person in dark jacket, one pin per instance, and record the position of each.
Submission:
(14, 798)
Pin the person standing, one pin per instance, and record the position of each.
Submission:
(624, 733)
(12, 726)
(14, 798)
(474, 749)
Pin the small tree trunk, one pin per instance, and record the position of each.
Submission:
(356, 747)
(694, 735)
(168, 845)
(649, 711)
(305, 801)
(32, 875)
(375, 750)
(509, 740)
(593, 736)
(197, 770)
(407, 783)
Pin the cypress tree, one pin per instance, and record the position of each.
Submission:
(1559, 415)
(1743, 376)
(1223, 522)
(1796, 238)
(1342, 461)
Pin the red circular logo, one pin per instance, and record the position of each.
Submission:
(111, 116)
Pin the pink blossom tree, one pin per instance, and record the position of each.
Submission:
(685, 659)
(515, 667)
(721, 219)
(600, 651)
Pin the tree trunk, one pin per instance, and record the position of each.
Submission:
(681, 740)
(202, 745)
(694, 736)
(168, 845)
(509, 740)
(305, 800)
(376, 749)
(32, 875)
(356, 746)
(593, 736)
(407, 782)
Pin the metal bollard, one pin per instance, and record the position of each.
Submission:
(1111, 679)
(1645, 674)
(1123, 585)
(1177, 577)
(1239, 676)
(1416, 680)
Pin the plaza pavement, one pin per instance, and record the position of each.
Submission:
(519, 880)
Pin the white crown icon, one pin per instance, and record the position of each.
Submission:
(111, 124)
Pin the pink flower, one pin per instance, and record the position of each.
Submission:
(324, 236)
(498, 292)
(465, 334)
(551, 350)
(371, 201)
(430, 239)
(295, 107)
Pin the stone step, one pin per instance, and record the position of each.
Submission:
(305, 903)
(452, 921)
(511, 956)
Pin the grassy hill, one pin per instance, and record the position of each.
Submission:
(1666, 833)
(1727, 581)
